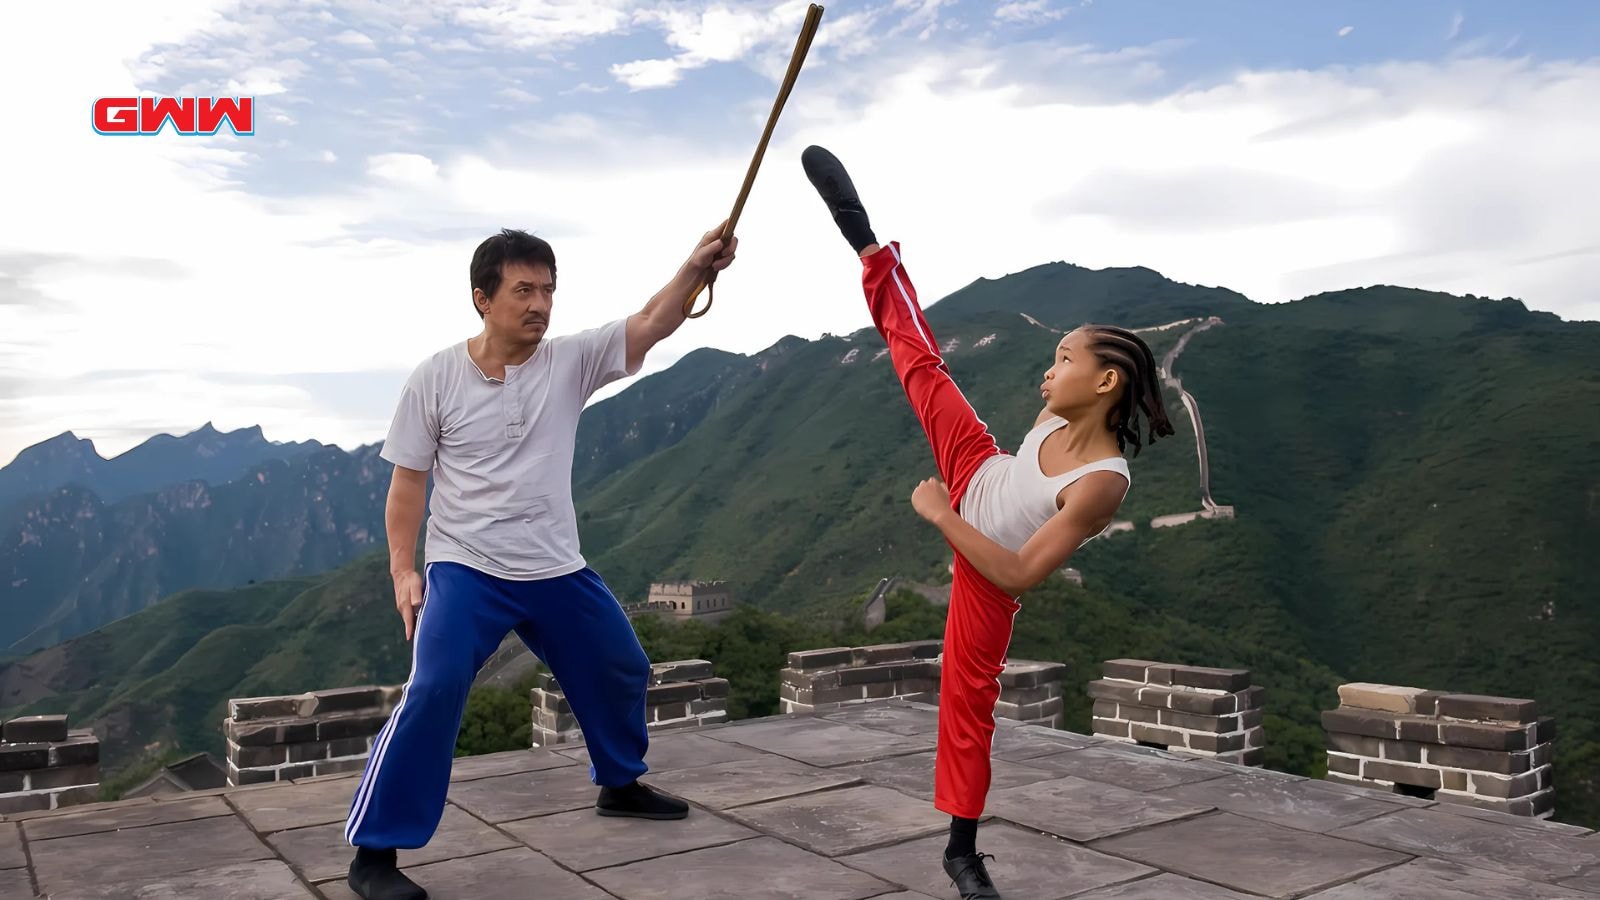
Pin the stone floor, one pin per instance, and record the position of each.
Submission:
(834, 808)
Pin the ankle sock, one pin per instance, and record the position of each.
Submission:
(366, 856)
(856, 229)
(963, 838)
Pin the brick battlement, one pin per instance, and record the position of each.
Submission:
(46, 765)
(1191, 709)
(822, 680)
(1490, 752)
(682, 694)
(300, 735)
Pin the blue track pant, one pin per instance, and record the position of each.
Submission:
(572, 622)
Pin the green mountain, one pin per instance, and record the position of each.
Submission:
(655, 413)
(1412, 477)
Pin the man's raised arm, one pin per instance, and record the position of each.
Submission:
(664, 313)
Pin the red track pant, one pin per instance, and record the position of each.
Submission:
(977, 629)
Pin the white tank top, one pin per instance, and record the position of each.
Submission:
(1010, 497)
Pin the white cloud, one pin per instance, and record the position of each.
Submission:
(715, 34)
(1456, 21)
(1028, 12)
(543, 23)
(355, 39)
(645, 74)
(406, 168)
(519, 95)
(329, 156)
(919, 16)
(1345, 31)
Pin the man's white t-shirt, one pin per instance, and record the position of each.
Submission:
(501, 451)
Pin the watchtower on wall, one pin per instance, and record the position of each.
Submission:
(702, 600)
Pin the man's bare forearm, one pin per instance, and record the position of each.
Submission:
(402, 519)
(664, 312)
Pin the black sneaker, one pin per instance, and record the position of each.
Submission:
(639, 802)
(970, 877)
(374, 876)
(830, 179)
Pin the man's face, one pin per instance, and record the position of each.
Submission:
(520, 307)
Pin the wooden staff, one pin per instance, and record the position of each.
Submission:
(807, 32)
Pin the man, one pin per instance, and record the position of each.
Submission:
(494, 419)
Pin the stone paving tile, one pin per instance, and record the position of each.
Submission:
(1303, 804)
(822, 743)
(311, 779)
(840, 821)
(1588, 882)
(1131, 749)
(1523, 852)
(143, 854)
(514, 874)
(186, 796)
(582, 840)
(759, 869)
(914, 774)
(506, 797)
(264, 880)
(320, 852)
(511, 762)
(1082, 810)
(1500, 818)
(1228, 768)
(1434, 879)
(296, 805)
(1250, 856)
(78, 809)
(743, 782)
(11, 855)
(904, 720)
(111, 819)
(1123, 769)
(1028, 741)
(683, 750)
(1025, 864)
(14, 883)
(1166, 886)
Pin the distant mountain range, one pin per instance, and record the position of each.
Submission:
(202, 510)
(205, 454)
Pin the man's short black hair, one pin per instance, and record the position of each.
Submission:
(509, 246)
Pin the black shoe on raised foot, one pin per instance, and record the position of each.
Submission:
(639, 802)
(374, 876)
(970, 877)
(830, 179)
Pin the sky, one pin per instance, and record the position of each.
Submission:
(292, 277)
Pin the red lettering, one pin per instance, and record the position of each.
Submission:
(240, 113)
(153, 114)
(116, 115)
(189, 115)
